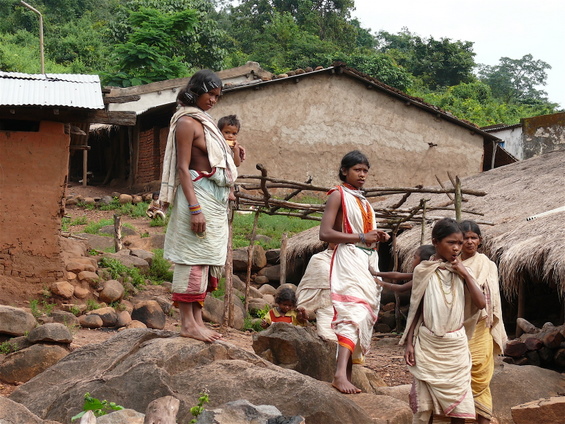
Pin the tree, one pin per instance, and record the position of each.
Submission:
(515, 80)
(475, 102)
(202, 47)
(148, 54)
(438, 63)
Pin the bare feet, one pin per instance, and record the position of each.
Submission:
(201, 333)
(345, 386)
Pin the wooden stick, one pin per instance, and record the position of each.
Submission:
(458, 199)
(227, 318)
(250, 251)
(284, 239)
(442, 186)
(118, 233)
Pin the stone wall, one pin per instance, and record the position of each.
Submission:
(33, 170)
(543, 134)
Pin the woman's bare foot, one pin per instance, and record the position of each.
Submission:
(201, 333)
(345, 386)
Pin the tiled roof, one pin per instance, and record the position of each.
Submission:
(62, 90)
(499, 127)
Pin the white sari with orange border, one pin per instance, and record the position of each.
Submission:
(355, 295)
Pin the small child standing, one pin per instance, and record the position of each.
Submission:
(229, 126)
(285, 310)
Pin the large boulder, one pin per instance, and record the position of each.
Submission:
(514, 385)
(13, 413)
(150, 313)
(15, 321)
(384, 409)
(213, 311)
(112, 291)
(23, 365)
(137, 366)
(297, 348)
(50, 333)
(543, 411)
(244, 412)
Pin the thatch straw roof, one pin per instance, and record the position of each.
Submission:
(304, 245)
(525, 250)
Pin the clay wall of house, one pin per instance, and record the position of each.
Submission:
(543, 134)
(33, 170)
(297, 128)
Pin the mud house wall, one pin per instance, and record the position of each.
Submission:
(543, 134)
(300, 129)
(33, 168)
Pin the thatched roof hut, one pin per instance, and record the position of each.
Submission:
(529, 253)
(525, 250)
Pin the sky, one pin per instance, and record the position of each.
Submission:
(498, 28)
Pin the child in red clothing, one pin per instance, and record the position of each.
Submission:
(285, 310)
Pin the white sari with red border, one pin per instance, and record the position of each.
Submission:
(355, 295)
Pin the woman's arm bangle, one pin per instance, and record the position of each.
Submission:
(195, 209)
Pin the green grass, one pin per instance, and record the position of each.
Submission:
(94, 227)
(67, 222)
(118, 270)
(272, 226)
(160, 269)
(39, 308)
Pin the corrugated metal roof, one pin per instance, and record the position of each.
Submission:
(70, 90)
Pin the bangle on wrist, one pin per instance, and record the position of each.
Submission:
(362, 238)
(195, 209)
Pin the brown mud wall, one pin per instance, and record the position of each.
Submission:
(33, 170)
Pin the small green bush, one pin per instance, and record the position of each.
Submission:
(160, 269)
(118, 270)
(39, 308)
(98, 407)
(7, 347)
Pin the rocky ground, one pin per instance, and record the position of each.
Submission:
(386, 357)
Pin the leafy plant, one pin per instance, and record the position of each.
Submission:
(75, 310)
(251, 324)
(160, 269)
(118, 270)
(199, 408)
(7, 347)
(92, 304)
(39, 308)
(98, 407)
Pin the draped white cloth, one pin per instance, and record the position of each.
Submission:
(313, 293)
(355, 295)
(442, 369)
(219, 153)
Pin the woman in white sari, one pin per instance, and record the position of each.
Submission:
(349, 222)
(437, 352)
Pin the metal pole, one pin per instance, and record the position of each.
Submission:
(34, 10)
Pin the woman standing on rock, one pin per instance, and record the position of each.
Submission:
(199, 162)
(349, 222)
